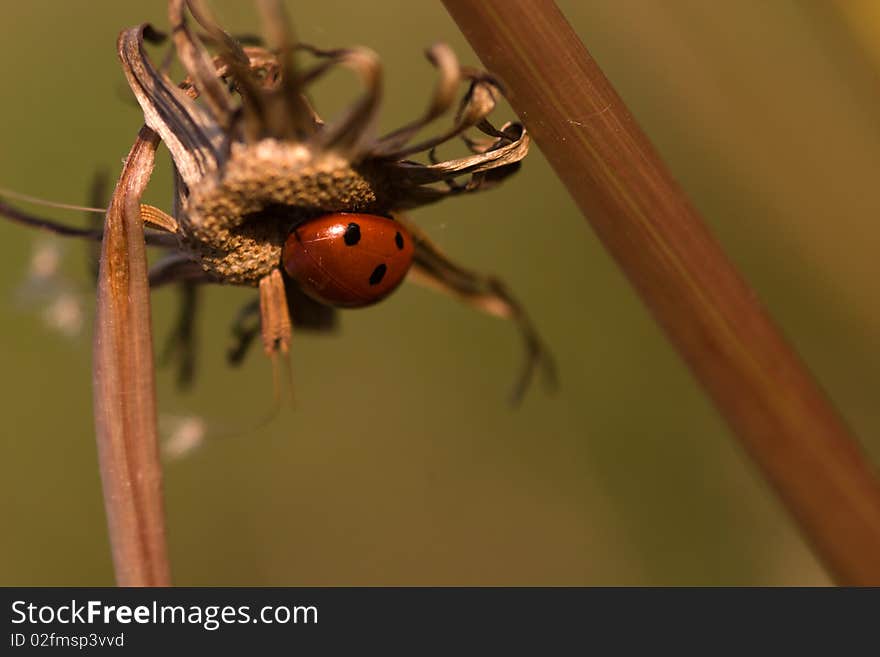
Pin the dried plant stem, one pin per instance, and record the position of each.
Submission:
(124, 387)
(659, 240)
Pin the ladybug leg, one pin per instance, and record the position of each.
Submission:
(486, 293)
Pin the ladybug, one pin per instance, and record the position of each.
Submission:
(347, 259)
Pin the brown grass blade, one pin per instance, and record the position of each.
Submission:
(756, 380)
(124, 387)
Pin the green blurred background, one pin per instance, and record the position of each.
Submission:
(401, 462)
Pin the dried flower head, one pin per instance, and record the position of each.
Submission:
(253, 162)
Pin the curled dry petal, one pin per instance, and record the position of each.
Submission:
(347, 134)
(199, 65)
(298, 114)
(477, 104)
(434, 269)
(443, 57)
(262, 114)
(501, 155)
(185, 128)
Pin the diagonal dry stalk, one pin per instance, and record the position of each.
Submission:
(756, 380)
(124, 386)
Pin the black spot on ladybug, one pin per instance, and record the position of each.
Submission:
(352, 234)
(378, 274)
(398, 240)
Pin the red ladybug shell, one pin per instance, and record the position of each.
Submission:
(348, 259)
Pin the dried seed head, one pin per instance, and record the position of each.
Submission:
(236, 224)
(252, 160)
(252, 164)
